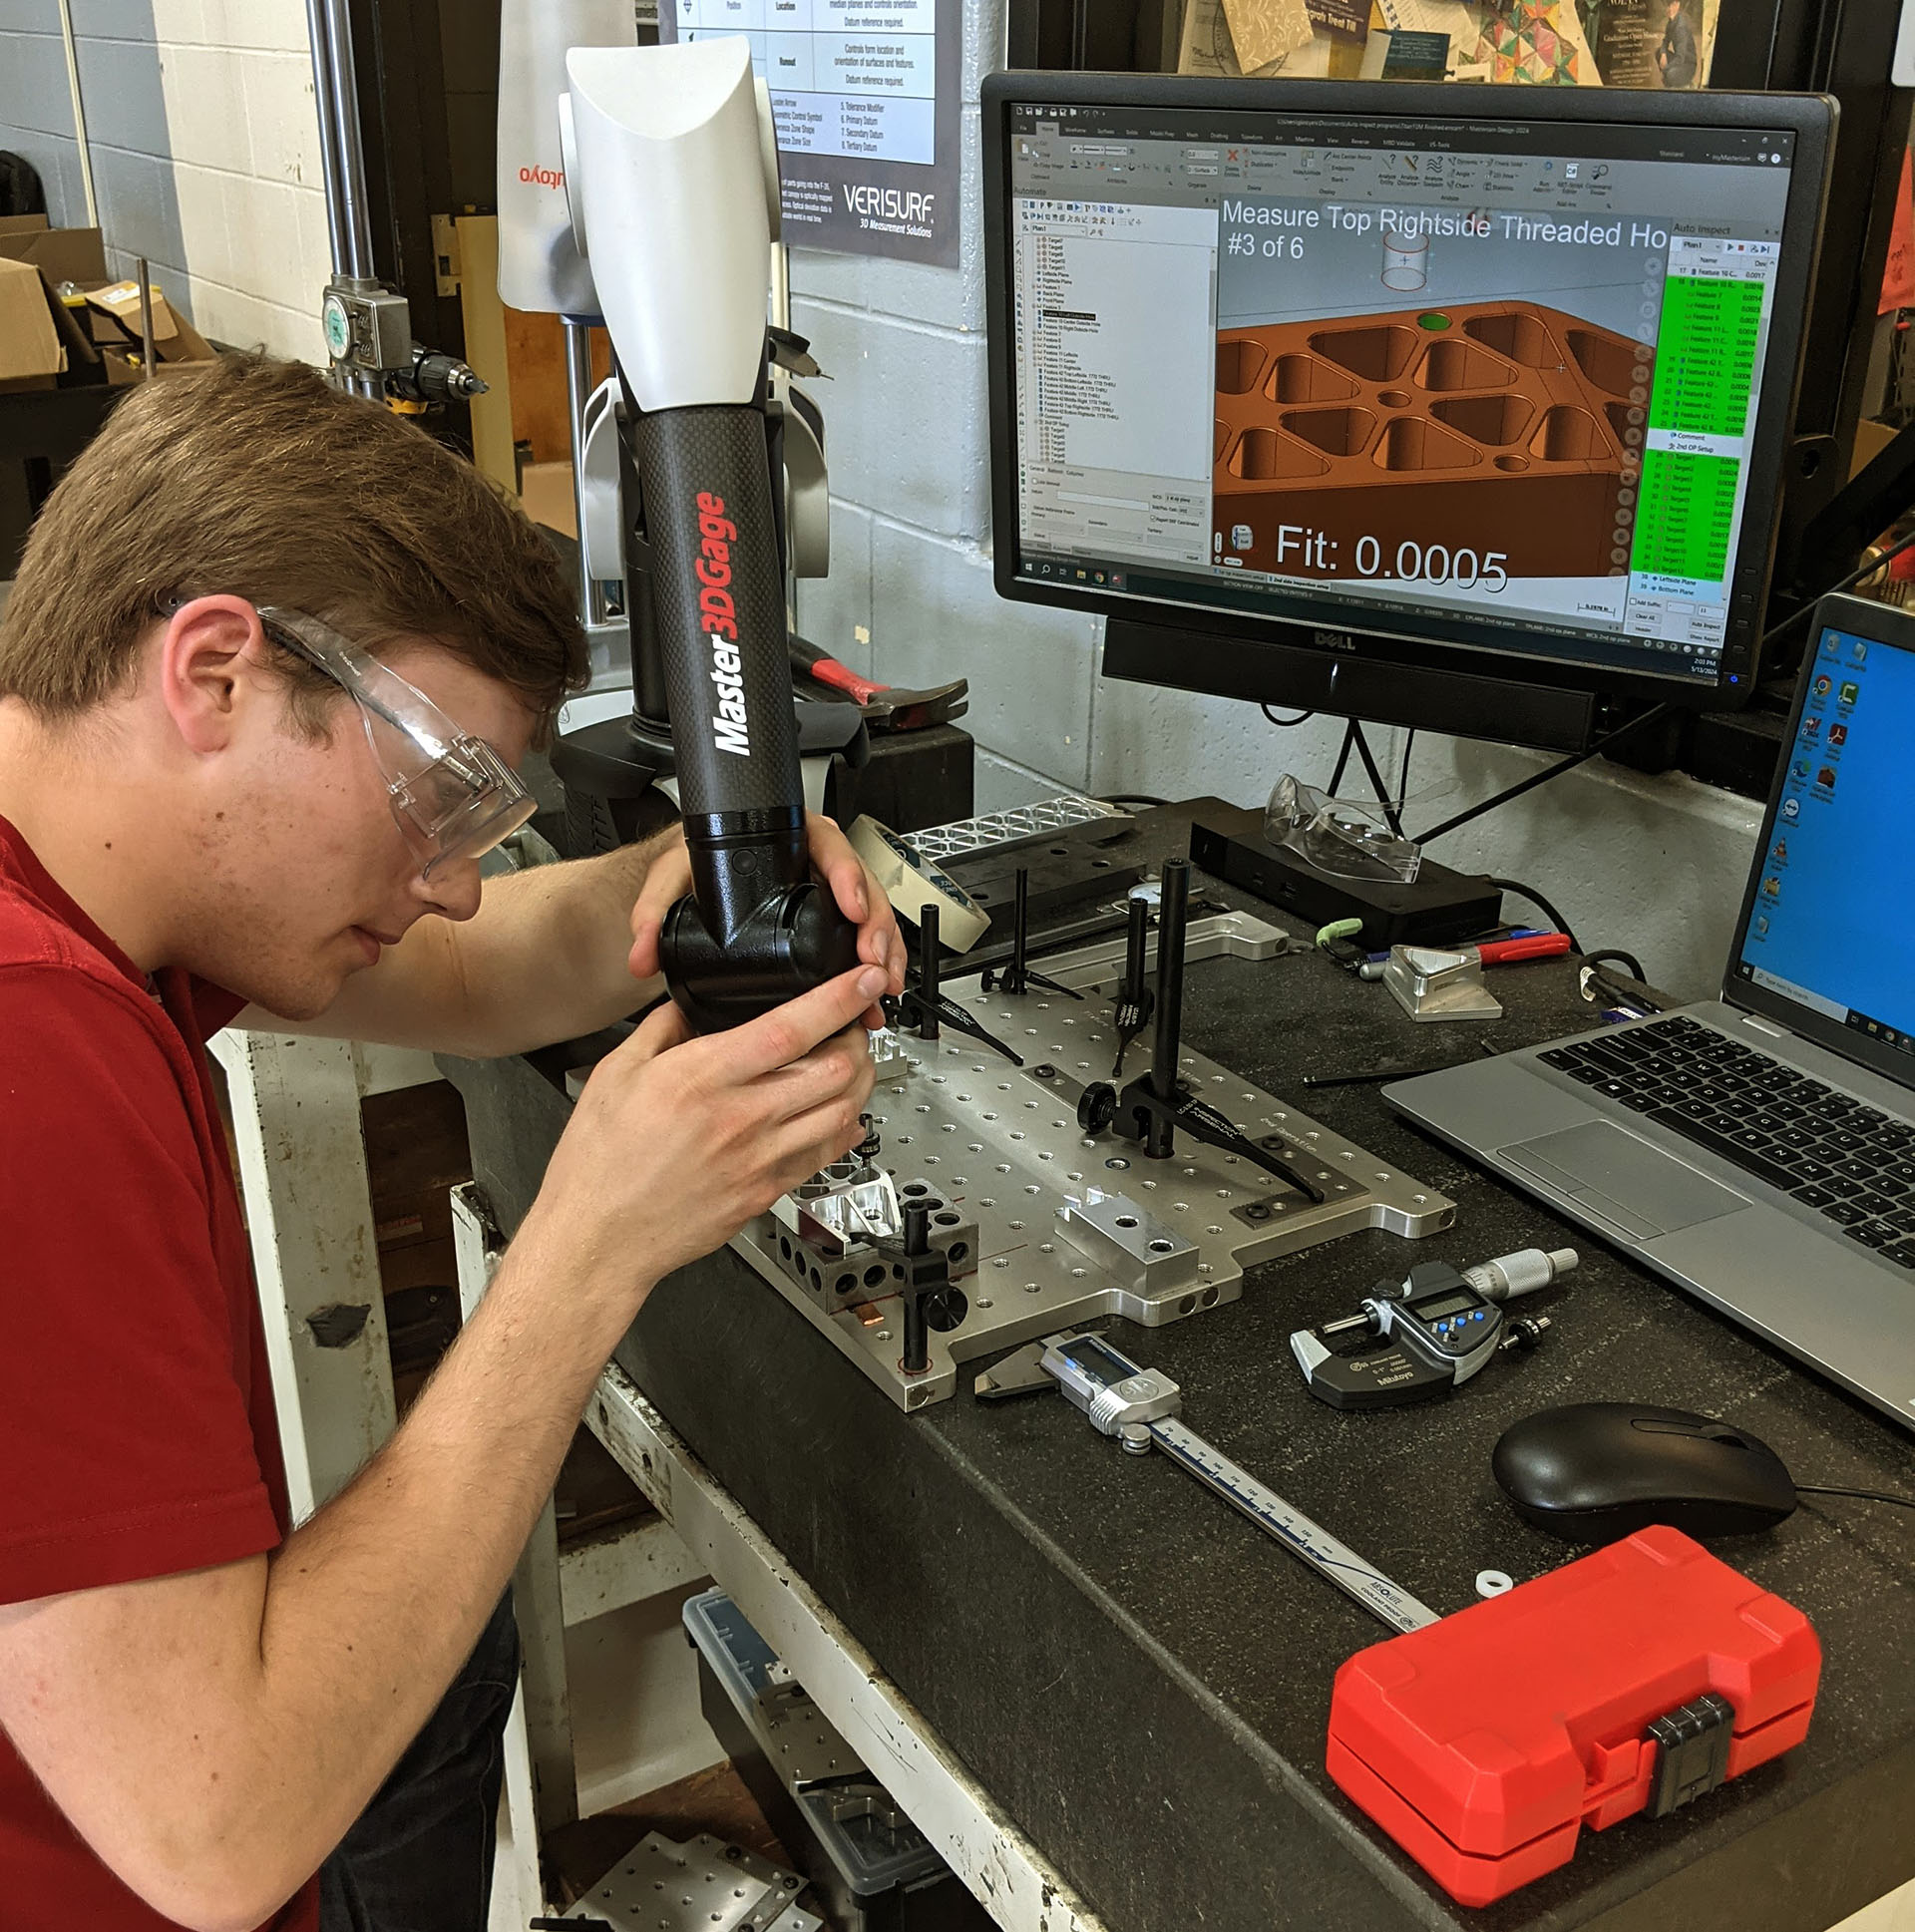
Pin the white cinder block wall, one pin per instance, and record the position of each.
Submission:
(1655, 865)
(204, 137)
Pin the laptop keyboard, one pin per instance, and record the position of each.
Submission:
(1851, 1162)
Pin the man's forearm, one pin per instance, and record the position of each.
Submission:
(547, 956)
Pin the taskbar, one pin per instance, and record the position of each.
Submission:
(1878, 1031)
(1532, 634)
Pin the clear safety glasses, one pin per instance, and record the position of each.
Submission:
(452, 794)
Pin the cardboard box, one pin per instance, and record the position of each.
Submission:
(32, 353)
(120, 301)
(114, 312)
(36, 259)
(76, 255)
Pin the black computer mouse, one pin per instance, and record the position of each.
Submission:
(1594, 1471)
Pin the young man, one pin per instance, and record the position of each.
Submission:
(268, 661)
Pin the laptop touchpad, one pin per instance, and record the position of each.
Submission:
(1624, 1179)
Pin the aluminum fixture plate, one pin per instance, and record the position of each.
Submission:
(1071, 1227)
(702, 1885)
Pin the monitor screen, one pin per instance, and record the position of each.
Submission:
(1830, 925)
(1515, 382)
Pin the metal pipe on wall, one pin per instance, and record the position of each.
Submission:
(78, 113)
(341, 153)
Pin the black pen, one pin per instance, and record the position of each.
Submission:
(1395, 1073)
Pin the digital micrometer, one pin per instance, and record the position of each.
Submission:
(1139, 1406)
(1435, 1329)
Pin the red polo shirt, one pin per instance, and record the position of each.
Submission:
(137, 1427)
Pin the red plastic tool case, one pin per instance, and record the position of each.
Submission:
(1483, 1743)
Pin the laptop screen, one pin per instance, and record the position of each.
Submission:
(1832, 922)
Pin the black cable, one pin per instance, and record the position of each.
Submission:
(1302, 717)
(1622, 958)
(1868, 1495)
(1536, 898)
(1602, 744)
(1855, 575)
(1403, 785)
(1377, 784)
(1133, 797)
(1343, 758)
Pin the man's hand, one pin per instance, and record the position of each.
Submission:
(678, 1140)
(858, 894)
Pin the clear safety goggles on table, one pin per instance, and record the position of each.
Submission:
(452, 794)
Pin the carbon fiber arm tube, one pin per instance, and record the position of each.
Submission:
(757, 931)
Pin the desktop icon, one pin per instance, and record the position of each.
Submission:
(1799, 771)
(1831, 645)
(1859, 652)
(1780, 854)
(1823, 685)
(1811, 727)
(1762, 925)
(1791, 809)
(1837, 735)
(1851, 692)
(1771, 888)
(1825, 778)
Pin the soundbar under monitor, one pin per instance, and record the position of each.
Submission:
(1453, 389)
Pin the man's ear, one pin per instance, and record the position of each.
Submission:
(211, 662)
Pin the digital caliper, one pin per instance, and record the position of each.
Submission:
(1139, 1406)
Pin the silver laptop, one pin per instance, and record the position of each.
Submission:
(1758, 1150)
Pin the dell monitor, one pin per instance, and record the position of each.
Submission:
(1435, 405)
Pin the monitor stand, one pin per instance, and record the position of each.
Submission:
(1319, 676)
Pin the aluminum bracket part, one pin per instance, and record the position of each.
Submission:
(1038, 1206)
(1429, 983)
(702, 1885)
(1020, 1889)
(798, 1737)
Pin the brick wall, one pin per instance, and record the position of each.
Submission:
(204, 140)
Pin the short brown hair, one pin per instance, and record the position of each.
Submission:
(255, 477)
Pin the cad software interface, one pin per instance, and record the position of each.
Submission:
(1505, 373)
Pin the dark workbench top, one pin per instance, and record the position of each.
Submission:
(1143, 1680)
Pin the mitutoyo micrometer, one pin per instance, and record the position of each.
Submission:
(1434, 1329)
(673, 176)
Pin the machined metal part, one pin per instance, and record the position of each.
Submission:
(1430, 984)
(849, 1204)
(804, 1749)
(1038, 1199)
(702, 1885)
(834, 1269)
(942, 843)
(1135, 1247)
